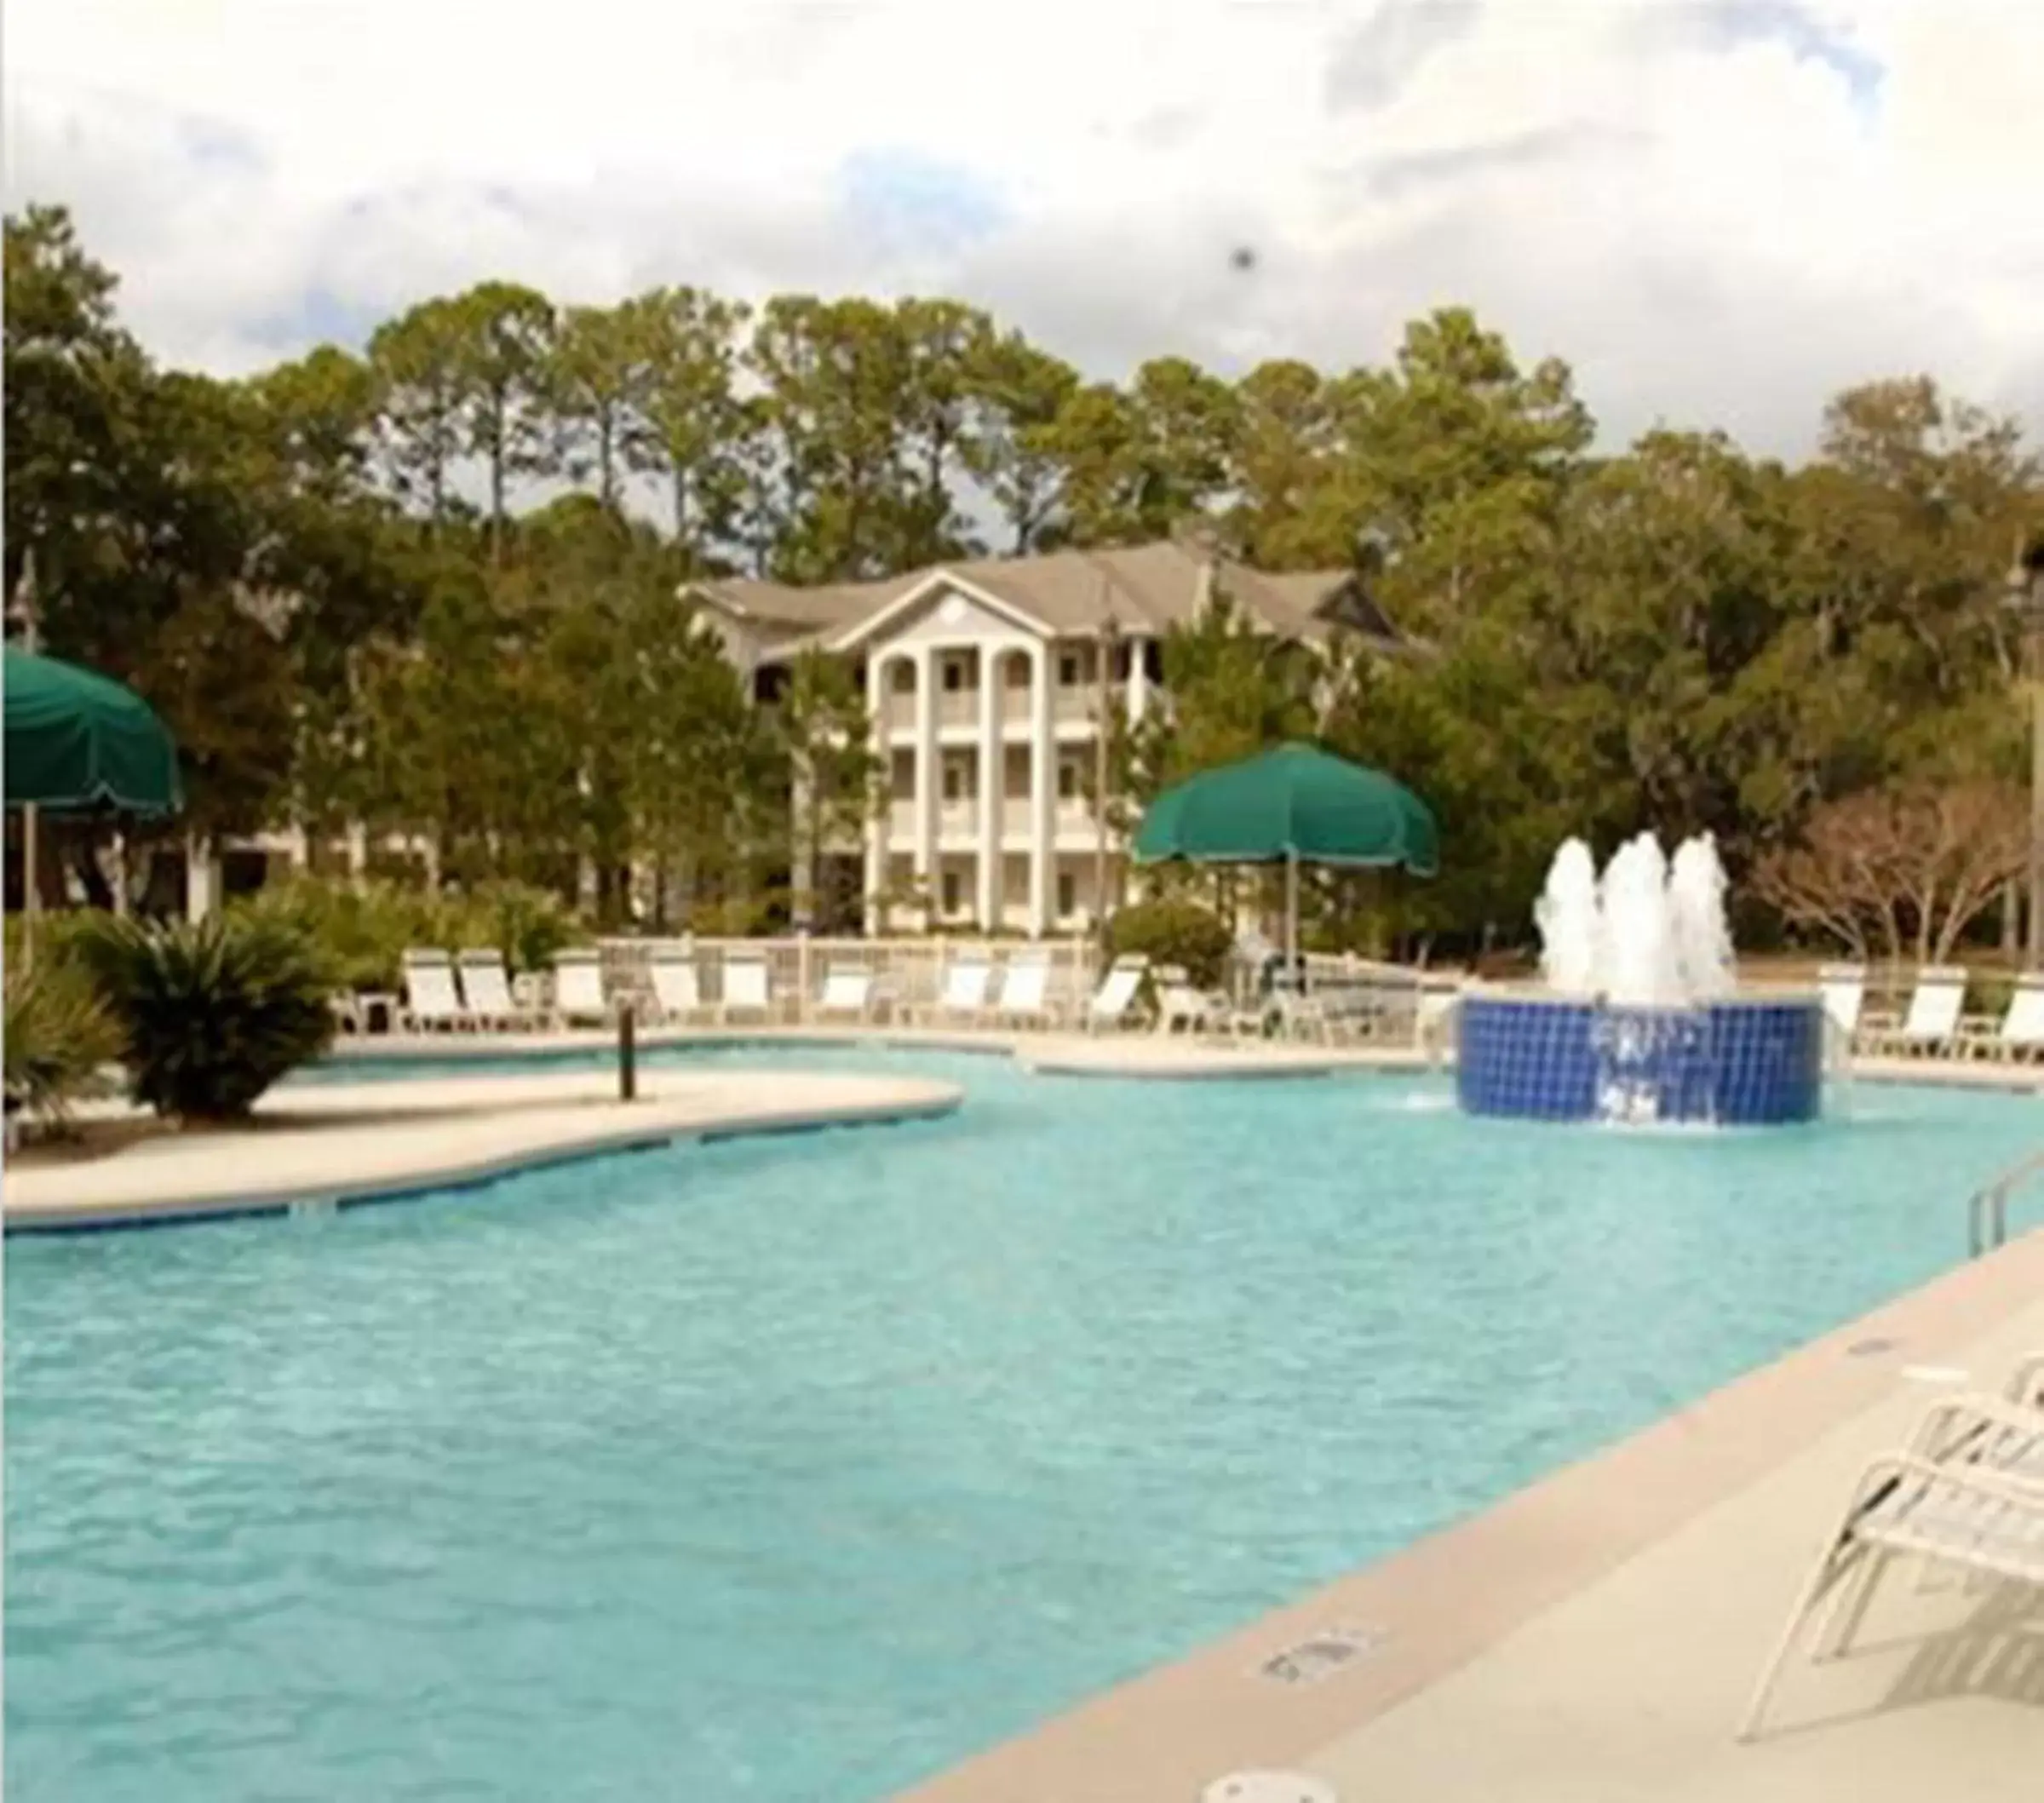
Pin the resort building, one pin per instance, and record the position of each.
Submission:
(989, 682)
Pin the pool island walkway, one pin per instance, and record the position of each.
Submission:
(344, 1143)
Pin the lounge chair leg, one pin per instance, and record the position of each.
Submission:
(1813, 1590)
(1835, 1639)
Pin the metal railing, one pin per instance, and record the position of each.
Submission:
(910, 973)
(1987, 1208)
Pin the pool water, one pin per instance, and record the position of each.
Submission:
(799, 1468)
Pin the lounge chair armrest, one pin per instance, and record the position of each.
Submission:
(1977, 1431)
(1981, 1482)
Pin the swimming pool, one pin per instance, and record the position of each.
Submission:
(799, 1468)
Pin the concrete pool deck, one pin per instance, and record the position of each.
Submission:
(1126, 1054)
(1121, 1054)
(352, 1143)
(1595, 1637)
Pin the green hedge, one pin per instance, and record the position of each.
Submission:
(1174, 931)
(364, 930)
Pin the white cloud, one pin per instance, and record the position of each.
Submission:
(1719, 213)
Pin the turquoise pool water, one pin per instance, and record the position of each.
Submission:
(796, 1469)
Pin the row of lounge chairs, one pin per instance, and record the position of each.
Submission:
(1934, 1023)
(1965, 1492)
(471, 991)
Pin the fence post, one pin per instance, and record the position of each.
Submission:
(628, 1053)
(802, 973)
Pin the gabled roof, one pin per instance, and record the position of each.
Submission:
(1069, 593)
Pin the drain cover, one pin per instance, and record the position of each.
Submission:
(1269, 1787)
(1310, 1660)
(1870, 1348)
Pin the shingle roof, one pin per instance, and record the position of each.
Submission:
(1074, 593)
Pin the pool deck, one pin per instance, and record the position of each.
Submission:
(1596, 1637)
(347, 1143)
(1127, 1053)
(1119, 1054)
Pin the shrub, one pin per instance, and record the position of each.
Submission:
(209, 1015)
(529, 926)
(363, 929)
(1174, 931)
(59, 1037)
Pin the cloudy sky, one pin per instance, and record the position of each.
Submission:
(1720, 212)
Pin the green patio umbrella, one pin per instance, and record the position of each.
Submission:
(1293, 805)
(78, 742)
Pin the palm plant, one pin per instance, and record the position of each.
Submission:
(209, 1014)
(58, 1037)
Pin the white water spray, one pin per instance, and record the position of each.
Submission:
(1695, 905)
(1646, 935)
(1567, 916)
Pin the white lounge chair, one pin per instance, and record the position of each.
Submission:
(431, 1002)
(747, 988)
(1843, 989)
(847, 993)
(1931, 1024)
(486, 987)
(1433, 1020)
(1024, 991)
(2019, 1034)
(578, 996)
(677, 990)
(1182, 1003)
(1110, 1004)
(1969, 1517)
(967, 984)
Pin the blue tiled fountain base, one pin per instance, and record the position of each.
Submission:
(1739, 1064)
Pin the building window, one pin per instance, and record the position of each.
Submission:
(954, 891)
(958, 782)
(902, 682)
(1068, 780)
(1018, 672)
(954, 675)
(1068, 895)
(1069, 674)
(1153, 660)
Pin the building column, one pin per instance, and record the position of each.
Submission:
(926, 782)
(993, 776)
(358, 852)
(1043, 795)
(1138, 695)
(880, 673)
(202, 878)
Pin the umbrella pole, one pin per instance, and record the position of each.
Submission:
(28, 887)
(1291, 916)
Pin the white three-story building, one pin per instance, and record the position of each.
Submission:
(988, 682)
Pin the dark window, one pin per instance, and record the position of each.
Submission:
(954, 674)
(1068, 893)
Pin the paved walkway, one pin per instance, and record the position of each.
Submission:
(350, 1142)
(1595, 1637)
